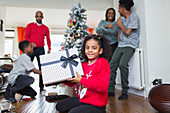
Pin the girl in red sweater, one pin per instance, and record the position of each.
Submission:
(93, 98)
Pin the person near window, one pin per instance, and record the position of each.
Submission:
(35, 33)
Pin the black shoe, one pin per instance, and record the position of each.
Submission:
(111, 94)
(123, 96)
(56, 97)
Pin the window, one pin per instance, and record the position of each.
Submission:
(56, 40)
(9, 40)
(8, 47)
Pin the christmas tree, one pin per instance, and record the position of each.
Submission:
(77, 29)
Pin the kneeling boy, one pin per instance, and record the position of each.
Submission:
(19, 79)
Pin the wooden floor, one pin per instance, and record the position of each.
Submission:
(134, 104)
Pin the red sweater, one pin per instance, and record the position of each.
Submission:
(96, 80)
(35, 34)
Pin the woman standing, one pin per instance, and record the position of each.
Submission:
(109, 29)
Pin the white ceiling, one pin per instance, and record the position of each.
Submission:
(59, 4)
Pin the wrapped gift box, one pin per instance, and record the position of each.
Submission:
(59, 66)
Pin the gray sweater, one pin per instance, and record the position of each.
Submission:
(111, 34)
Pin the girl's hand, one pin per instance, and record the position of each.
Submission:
(75, 79)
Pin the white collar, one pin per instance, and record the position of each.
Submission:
(37, 23)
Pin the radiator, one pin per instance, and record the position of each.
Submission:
(136, 71)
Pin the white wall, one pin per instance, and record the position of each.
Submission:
(2, 34)
(139, 8)
(158, 41)
(53, 18)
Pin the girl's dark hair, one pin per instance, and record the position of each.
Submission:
(23, 45)
(108, 11)
(103, 43)
(127, 4)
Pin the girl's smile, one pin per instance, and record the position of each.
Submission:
(92, 50)
(110, 15)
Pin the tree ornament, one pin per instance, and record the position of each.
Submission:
(78, 35)
(71, 38)
(78, 41)
(71, 23)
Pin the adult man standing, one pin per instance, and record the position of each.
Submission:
(129, 40)
(35, 33)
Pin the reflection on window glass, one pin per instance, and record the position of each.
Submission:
(9, 39)
(56, 40)
(8, 47)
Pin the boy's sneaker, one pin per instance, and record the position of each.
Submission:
(123, 96)
(111, 94)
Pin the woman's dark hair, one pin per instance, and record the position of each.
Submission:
(108, 11)
(103, 43)
(127, 4)
(23, 45)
